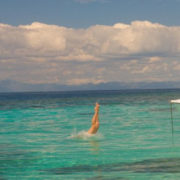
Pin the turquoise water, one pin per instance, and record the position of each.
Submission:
(39, 135)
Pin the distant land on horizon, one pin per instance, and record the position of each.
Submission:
(15, 86)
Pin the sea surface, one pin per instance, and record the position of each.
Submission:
(43, 135)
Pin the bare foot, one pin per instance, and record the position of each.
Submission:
(96, 107)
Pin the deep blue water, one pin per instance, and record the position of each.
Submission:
(39, 135)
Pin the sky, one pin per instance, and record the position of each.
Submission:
(89, 41)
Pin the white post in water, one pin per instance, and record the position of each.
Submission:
(176, 101)
(172, 125)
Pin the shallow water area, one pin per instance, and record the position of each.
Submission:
(44, 135)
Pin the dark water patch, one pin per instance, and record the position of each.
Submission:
(162, 109)
(59, 99)
(86, 114)
(13, 158)
(166, 165)
(36, 106)
(1, 178)
(74, 169)
(169, 165)
(174, 109)
(106, 178)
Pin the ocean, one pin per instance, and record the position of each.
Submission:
(42, 135)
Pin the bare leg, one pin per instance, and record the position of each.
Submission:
(95, 121)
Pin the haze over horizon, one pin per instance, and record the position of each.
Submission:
(76, 42)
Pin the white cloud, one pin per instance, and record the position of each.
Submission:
(155, 59)
(49, 53)
(92, 44)
(44, 38)
(78, 81)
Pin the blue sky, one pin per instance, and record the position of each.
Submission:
(74, 13)
(89, 41)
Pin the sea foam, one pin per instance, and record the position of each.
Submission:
(84, 135)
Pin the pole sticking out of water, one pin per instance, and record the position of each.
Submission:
(172, 125)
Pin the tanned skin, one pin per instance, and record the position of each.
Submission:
(95, 121)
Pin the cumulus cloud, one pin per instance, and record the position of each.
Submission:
(92, 44)
(78, 81)
(51, 53)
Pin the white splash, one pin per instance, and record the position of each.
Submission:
(84, 135)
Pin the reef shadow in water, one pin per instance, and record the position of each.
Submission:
(13, 159)
(106, 178)
(166, 165)
(86, 114)
(1, 178)
(163, 109)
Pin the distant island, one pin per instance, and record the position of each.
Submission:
(15, 86)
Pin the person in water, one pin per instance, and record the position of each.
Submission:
(95, 121)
